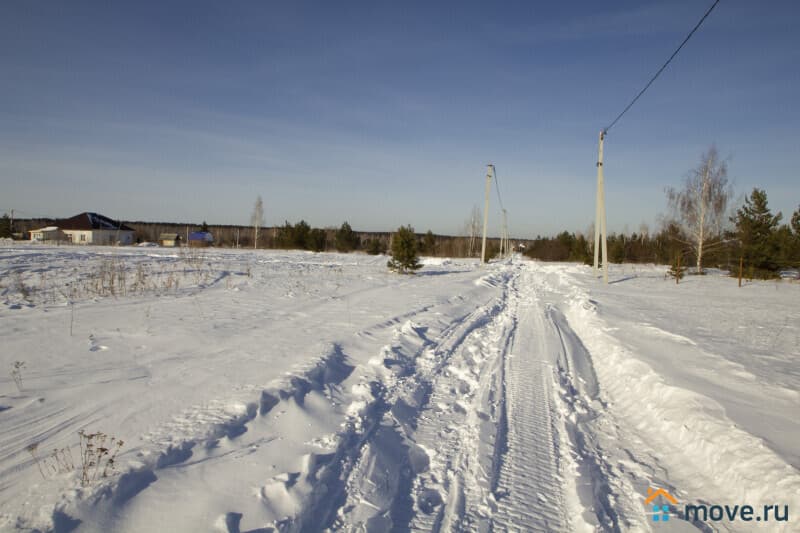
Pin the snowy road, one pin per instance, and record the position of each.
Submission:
(311, 392)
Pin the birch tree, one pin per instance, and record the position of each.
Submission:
(473, 228)
(257, 219)
(699, 207)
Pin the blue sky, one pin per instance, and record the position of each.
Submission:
(386, 113)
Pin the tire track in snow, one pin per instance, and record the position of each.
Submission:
(495, 443)
(529, 491)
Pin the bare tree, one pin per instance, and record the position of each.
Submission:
(699, 207)
(473, 228)
(644, 232)
(257, 219)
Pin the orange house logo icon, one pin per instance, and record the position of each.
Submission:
(660, 511)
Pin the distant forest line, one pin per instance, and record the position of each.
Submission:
(299, 236)
(755, 239)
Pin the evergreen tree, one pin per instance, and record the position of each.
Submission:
(5, 227)
(375, 247)
(796, 223)
(204, 227)
(285, 235)
(404, 251)
(786, 247)
(346, 238)
(300, 238)
(616, 249)
(755, 229)
(787, 239)
(580, 250)
(316, 240)
(677, 270)
(429, 243)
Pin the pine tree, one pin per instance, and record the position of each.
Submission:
(429, 244)
(755, 228)
(796, 223)
(346, 238)
(404, 251)
(301, 235)
(316, 240)
(788, 238)
(5, 227)
(676, 269)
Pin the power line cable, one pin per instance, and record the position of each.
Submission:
(649, 83)
(497, 187)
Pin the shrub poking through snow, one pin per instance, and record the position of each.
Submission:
(98, 454)
(58, 462)
(16, 373)
(404, 251)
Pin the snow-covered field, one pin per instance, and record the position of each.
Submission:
(289, 391)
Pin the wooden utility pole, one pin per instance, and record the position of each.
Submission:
(600, 215)
(489, 172)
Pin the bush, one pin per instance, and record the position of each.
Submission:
(404, 251)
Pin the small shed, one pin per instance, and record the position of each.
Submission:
(169, 240)
(201, 239)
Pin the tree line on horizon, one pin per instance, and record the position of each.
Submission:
(297, 236)
(700, 229)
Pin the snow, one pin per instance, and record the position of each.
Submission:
(302, 391)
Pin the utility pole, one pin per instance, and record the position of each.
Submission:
(489, 172)
(504, 252)
(600, 215)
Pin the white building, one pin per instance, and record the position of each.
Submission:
(94, 228)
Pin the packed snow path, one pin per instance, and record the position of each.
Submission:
(488, 420)
(530, 482)
(304, 392)
(492, 427)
